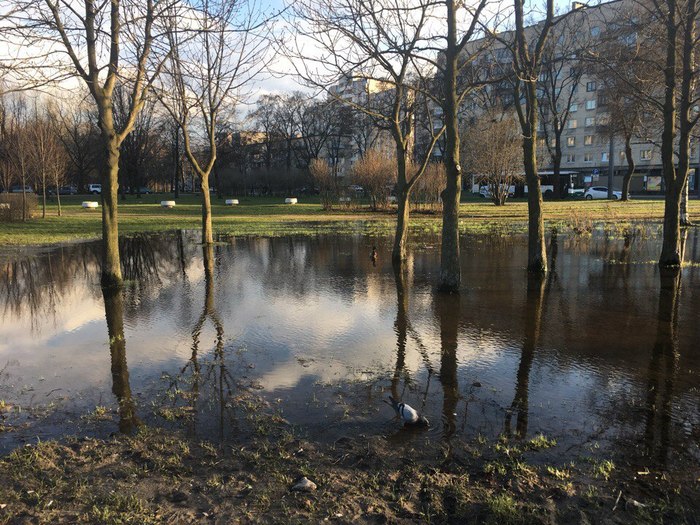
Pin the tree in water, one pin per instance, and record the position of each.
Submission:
(215, 49)
(103, 44)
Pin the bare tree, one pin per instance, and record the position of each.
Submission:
(216, 47)
(138, 146)
(20, 149)
(80, 137)
(6, 172)
(373, 44)
(662, 35)
(102, 43)
(47, 154)
(428, 189)
(265, 122)
(559, 77)
(323, 178)
(494, 153)
(458, 78)
(528, 46)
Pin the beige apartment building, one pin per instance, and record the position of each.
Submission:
(585, 142)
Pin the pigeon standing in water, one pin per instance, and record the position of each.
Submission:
(408, 414)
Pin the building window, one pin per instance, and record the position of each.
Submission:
(572, 124)
(602, 99)
(588, 140)
(573, 108)
(570, 158)
(590, 121)
(604, 157)
(590, 104)
(588, 157)
(645, 154)
(591, 86)
(570, 141)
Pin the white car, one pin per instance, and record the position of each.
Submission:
(95, 188)
(600, 192)
(485, 191)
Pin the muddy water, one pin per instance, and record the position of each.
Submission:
(603, 355)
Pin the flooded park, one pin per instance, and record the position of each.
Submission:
(601, 356)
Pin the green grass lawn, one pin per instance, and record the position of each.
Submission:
(270, 216)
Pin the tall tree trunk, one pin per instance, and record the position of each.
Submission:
(630, 168)
(177, 176)
(24, 199)
(207, 233)
(536, 251)
(670, 253)
(43, 195)
(559, 190)
(398, 254)
(403, 193)
(111, 264)
(670, 247)
(450, 275)
(58, 198)
(685, 216)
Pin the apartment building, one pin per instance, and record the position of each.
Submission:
(362, 132)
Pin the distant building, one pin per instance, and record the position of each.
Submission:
(585, 143)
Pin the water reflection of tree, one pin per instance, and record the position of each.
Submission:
(401, 328)
(534, 303)
(32, 286)
(215, 371)
(404, 329)
(663, 367)
(447, 309)
(114, 313)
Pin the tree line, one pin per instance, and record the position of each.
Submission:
(163, 79)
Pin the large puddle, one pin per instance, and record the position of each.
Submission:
(603, 356)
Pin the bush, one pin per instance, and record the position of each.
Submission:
(322, 174)
(11, 206)
(376, 173)
(426, 192)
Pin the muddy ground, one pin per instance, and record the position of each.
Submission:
(159, 476)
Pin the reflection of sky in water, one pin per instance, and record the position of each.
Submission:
(310, 315)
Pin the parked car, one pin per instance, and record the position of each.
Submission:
(576, 193)
(485, 191)
(356, 188)
(64, 190)
(600, 192)
(95, 188)
(18, 189)
(143, 190)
